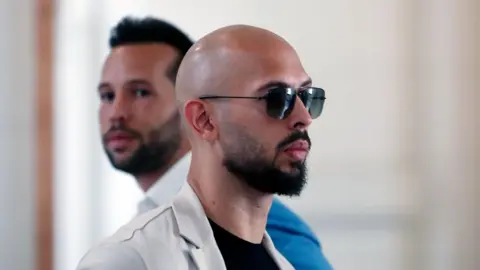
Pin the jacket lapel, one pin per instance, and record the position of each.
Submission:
(194, 227)
(198, 257)
(282, 263)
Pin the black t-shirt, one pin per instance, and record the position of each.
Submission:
(239, 254)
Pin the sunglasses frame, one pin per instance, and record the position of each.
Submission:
(288, 92)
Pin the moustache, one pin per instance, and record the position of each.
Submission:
(295, 136)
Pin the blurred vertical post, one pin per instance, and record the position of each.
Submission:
(44, 207)
(449, 79)
(17, 135)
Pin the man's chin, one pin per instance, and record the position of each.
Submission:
(119, 158)
(291, 168)
(120, 163)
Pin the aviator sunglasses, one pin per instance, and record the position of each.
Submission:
(281, 100)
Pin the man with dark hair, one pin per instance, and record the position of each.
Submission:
(130, 31)
(139, 120)
(141, 130)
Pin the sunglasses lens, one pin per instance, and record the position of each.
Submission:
(280, 102)
(313, 98)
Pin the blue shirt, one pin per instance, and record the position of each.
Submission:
(294, 239)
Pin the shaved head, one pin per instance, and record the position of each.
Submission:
(226, 57)
(219, 87)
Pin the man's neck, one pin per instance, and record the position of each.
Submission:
(146, 181)
(231, 204)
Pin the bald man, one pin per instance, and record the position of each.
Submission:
(246, 104)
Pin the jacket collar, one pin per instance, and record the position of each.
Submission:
(195, 228)
(191, 218)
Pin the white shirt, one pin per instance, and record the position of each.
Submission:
(167, 186)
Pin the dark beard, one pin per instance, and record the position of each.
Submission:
(163, 143)
(246, 159)
(268, 179)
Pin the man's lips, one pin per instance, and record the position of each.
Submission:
(298, 149)
(119, 139)
(118, 135)
(299, 145)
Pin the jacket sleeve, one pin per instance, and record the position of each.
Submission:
(112, 257)
(294, 239)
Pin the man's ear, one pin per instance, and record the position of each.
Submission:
(200, 120)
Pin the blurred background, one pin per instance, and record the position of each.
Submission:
(394, 170)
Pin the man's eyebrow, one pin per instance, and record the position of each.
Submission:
(273, 84)
(276, 83)
(103, 85)
(137, 81)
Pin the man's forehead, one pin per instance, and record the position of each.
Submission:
(266, 71)
(148, 49)
(140, 56)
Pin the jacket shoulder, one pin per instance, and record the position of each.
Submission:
(130, 247)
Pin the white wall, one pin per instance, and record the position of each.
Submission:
(17, 135)
(390, 147)
(91, 199)
(449, 132)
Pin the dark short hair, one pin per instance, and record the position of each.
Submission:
(132, 31)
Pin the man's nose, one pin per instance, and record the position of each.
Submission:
(120, 109)
(300, 118)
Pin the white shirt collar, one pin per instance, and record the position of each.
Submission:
(167, 186)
